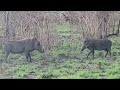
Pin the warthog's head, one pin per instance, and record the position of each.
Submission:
(38, 46)
(86, 44)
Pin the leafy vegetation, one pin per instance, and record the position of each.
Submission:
(65, 62)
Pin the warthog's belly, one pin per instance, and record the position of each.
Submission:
(17, 50)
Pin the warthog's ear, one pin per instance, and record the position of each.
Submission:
(38, 44)
(87, 38)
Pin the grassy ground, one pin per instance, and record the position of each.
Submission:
(65, 62)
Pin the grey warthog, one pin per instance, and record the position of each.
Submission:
(97, 44)
(23, 46)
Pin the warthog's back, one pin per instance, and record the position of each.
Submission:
(14, 46)
(18, 46)
(100, 44)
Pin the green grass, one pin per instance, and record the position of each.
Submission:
(64, 69)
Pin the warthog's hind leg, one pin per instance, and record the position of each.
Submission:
(6, 56)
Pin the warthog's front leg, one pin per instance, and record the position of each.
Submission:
(27, 54)
(29, 57)
(91, 52)
(106, 53)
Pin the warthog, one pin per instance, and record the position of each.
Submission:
(97, 44)
(23, 46)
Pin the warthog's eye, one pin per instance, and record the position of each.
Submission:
(85, 41)
(38, 44)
